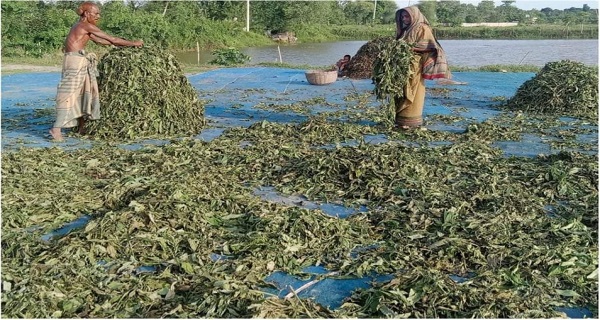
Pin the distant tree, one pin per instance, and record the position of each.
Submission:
(450, 12)
(428, 8)
(310, 12)
(510, 13)
(386, 11)
(472, 15)
(359, 12)
(487, 11)
(222, 10)
(267, 16)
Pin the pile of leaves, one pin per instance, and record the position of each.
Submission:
(391, 71)
(433, 212)
(566, 88)
(143, 94)
(361, 64)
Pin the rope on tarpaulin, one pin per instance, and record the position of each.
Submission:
(288, 84)
(236, 79)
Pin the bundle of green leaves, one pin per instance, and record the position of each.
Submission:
(144, 93)
(566, 88)
(391, 71)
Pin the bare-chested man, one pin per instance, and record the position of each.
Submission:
(77, 97)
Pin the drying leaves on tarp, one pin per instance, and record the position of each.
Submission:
(144, 93)
(361, 64)
(178, 231)
(565, 87)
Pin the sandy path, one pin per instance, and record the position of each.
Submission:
(12, 68)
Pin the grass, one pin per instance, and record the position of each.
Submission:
(498, 68)
(47, 60)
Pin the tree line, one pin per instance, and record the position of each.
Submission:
(38, 28)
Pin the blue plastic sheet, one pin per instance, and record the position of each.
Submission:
(234, 97)
(325, 290)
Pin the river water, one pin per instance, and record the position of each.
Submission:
(466, 53)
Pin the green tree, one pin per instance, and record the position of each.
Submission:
(359, 12)
(267, 16)
(223, 10)
(428, 8)
(386, 11)
(122, 20)
(308, 12)
(450, 12)
(509, 13)
(17, 32)
(472, 14)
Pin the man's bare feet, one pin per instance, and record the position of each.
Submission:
(56, 134)
(81, 126)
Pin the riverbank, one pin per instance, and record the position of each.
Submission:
(14, 68)
(8, 69)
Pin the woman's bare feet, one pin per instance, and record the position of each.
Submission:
(56, 134)
(403, 128)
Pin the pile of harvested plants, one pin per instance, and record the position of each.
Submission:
(566, 88)
(361, 64)
(143, 94)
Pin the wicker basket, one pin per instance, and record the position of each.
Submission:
(320, 77)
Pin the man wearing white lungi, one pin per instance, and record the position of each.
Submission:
(77, 95)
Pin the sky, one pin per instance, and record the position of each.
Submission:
(524, 4)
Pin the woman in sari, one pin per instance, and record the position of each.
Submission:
(429, 62)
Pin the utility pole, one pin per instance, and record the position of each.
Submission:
(374, 8)
(248, 15)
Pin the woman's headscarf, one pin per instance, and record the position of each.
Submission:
(419, 33)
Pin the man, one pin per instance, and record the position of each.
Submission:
(341, 65)
(77, 95)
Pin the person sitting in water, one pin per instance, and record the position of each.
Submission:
(341, 65)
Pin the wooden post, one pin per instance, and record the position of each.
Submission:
(198, 51)
(280, 60)
(166, 6)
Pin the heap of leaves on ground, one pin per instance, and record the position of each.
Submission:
(143, 94)
(361, 64)
(522, 230)
(566, 88)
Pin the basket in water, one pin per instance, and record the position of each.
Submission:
(320, 77)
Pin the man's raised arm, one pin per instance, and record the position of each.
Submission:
(100, 37)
